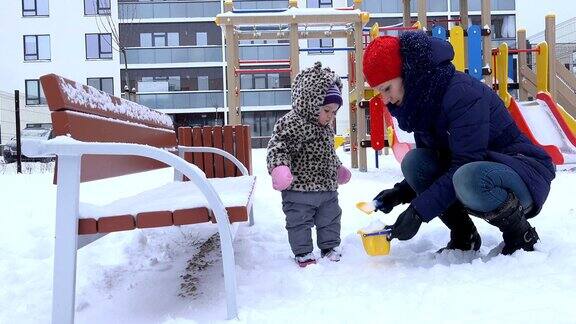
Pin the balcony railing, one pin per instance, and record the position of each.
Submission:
(213, 98)
(265, 97)
(168, 9)
(181, 100)
(180, 54)
(264, 51)
(476, 5)
(261, 4)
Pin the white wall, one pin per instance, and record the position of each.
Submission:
(67, 27)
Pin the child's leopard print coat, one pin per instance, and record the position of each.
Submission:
(299, 141)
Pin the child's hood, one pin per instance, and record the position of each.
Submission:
(309, 89)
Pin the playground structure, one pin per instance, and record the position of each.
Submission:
(473, 54)
(294, 24)
(543, 120)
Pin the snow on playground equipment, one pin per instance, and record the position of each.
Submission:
(294, 24)
(561, 82)
(541, 119)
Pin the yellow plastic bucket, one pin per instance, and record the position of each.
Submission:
(375, 243)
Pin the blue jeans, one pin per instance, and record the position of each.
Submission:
(481, 186)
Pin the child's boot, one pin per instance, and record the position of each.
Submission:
(331, 254)
(304, 259)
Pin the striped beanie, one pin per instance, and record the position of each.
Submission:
(333, 95)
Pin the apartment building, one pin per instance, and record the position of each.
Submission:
(70, 38)
(174, 56)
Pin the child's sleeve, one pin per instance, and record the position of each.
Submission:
(335, 157)
(281, 146)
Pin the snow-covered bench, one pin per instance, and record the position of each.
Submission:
(101, 136)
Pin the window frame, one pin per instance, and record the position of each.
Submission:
(204, 78)
(100, 52)
(319, 3)
(204, 37)
(35, 10)
(39, 100)
(99, 8)
(321, 44)
(36, 56)
(100, 79)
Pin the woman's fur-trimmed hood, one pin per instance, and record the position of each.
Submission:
(426, 72)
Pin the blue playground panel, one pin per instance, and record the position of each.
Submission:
(512, 67)
(439, 32)
(475, 52)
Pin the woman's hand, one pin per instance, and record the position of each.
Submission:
(406, 226)
(387, 199)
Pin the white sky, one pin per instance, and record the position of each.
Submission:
(530, 13)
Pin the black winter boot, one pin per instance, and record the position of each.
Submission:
(463, 233)
(516, 231)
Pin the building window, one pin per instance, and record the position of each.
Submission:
(31, 8)
(159, 39)
(274, 80)
(36, 47)
(201, 39)
(321, 43)
(102, 84)
(319, 3)
(96, 7)
(259, 81)
(34, 93)
(203, 82)
(98, 46)
(159, 84)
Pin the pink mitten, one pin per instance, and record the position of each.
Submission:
(281, 177)
(343, 175)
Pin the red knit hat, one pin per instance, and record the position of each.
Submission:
(382, 60)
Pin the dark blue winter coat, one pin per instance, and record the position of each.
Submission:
(464, 120)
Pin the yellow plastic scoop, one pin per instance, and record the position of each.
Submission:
(366, 207)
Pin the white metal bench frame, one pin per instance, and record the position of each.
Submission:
(67, 203)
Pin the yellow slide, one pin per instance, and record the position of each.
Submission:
(570, 121)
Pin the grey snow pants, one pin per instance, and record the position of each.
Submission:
(305, 209)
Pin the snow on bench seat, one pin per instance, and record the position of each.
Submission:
(176, 203)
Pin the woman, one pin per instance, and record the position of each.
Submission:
(470, 156)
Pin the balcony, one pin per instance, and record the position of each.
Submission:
(476, 5)
(179, 54)
(182, 100)
(213, 98)
(264, 51)
(261, 4)
(265, 97)
(168, 9)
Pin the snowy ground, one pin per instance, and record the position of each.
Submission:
(141, 276)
